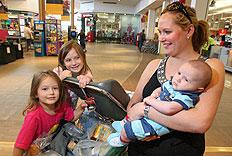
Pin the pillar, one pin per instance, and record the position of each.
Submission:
(201, 8)
(42, 10)
(151, 24)
(72, 13)
(160, 47)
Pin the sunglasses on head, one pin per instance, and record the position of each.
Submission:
(180, 7)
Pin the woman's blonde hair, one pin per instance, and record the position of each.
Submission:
(36, 81)
(65, 49)
(200, 35)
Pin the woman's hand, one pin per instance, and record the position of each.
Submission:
(83, 80)
(150, 138)
(136, 111)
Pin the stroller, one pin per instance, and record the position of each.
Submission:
(110, 98)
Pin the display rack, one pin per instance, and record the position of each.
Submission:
(39, 38)
(13, 25)
(53, 36)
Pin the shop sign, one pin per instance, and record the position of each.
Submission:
(222, 32)
(56, 9)
(65, 18)
(3, 16)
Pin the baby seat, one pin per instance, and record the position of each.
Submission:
(110, 98)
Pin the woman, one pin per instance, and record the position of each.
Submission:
(182, 36)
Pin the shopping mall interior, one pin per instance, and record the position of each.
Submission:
(112, 29)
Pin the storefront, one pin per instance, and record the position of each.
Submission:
(220, 22)
(117, 28)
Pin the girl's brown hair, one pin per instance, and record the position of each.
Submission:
(64, 50)
(36, 81)
(200, 35)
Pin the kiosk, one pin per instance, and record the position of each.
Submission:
(53, 36)
(39, 38)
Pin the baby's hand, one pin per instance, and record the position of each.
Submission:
(155, 94)
(149, 100)
(83, 80)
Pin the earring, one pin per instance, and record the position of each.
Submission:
(188, 37)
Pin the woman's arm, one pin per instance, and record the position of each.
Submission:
(147, 73)
(195, 120)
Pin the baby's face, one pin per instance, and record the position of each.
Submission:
(186, 79)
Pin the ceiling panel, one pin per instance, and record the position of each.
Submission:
(122, 2)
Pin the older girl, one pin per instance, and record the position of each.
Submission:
(72, 63)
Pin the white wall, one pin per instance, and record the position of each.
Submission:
(111, 8)
(85, 7)
(23, 5)
(143, 4)
(96, 6)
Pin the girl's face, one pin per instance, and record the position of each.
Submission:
(48, 92)
(73, 62)
(172, 36)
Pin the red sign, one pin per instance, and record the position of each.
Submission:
(222, 32)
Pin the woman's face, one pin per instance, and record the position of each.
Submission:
(73, 62)
(172, 36)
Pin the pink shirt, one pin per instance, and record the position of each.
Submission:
(38, 123)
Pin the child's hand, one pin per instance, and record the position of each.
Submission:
(81, 105)
(83, 80)
(65, 73)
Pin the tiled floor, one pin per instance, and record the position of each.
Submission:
(107, 61)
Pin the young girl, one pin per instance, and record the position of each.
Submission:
(72, 63)
(47, 106)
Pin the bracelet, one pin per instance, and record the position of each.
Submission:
(146, 111)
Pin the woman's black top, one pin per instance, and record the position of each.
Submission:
(175, 143)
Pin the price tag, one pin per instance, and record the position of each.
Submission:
(8, 50)
(19, 47)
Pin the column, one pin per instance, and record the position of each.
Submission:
(42, 10)
(72, 13)
(151, 24)
(160, 47)
(201, 8)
